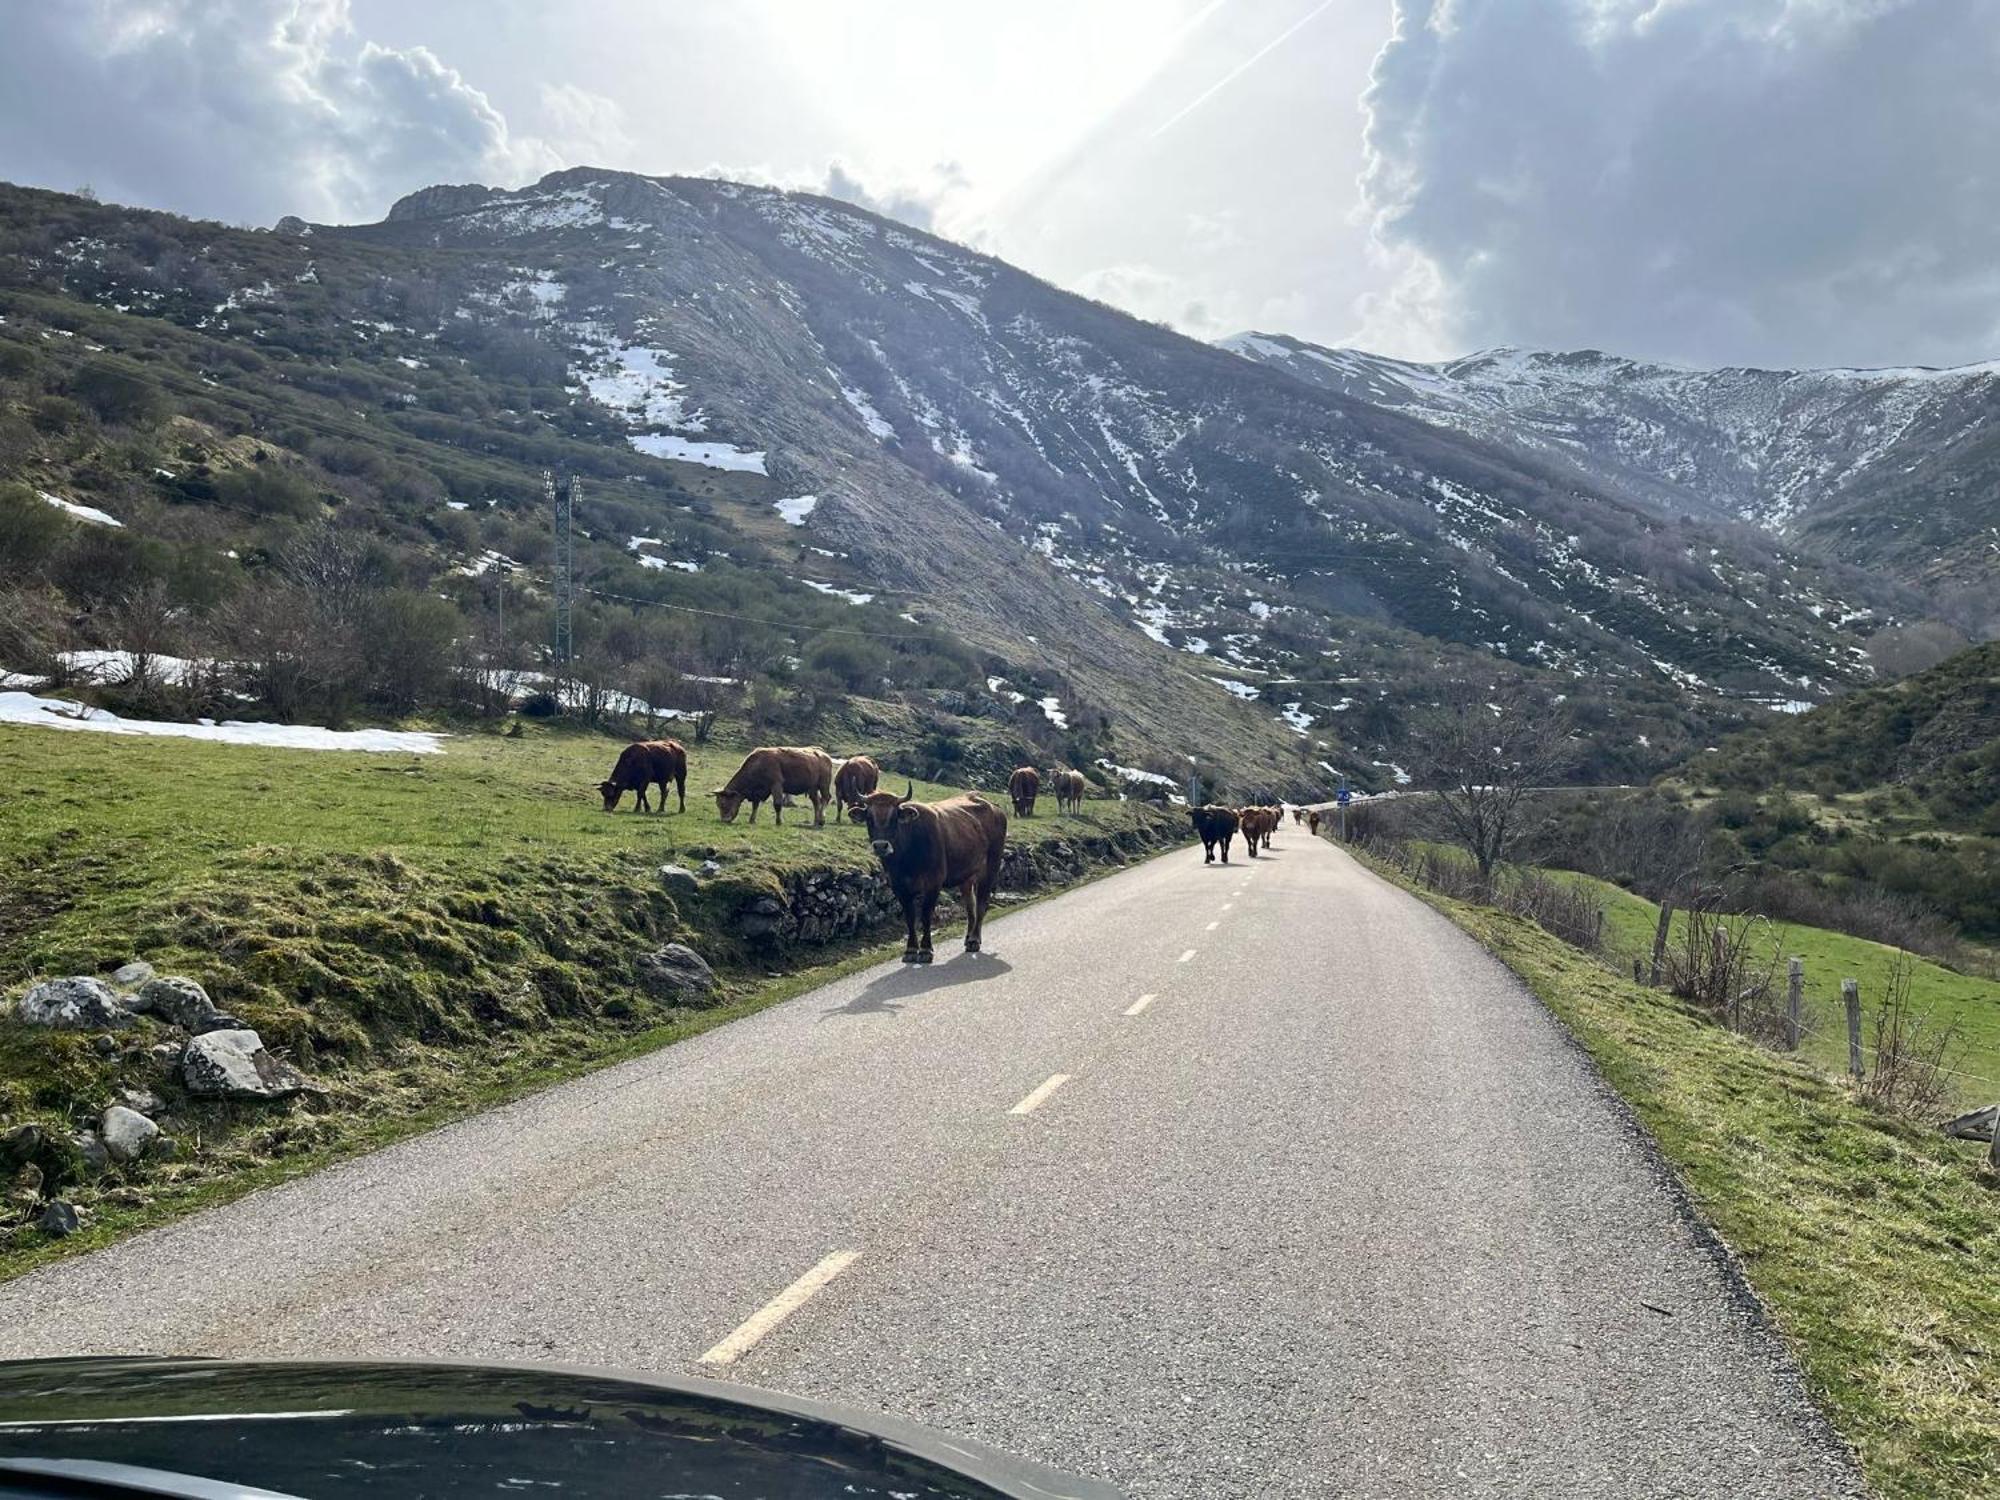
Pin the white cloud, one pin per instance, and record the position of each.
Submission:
(1771, 181)
(242, 109)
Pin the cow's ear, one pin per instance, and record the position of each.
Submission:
(857, 814)
(906, 814)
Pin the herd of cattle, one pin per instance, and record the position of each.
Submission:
(925, 847)
(1218, 826)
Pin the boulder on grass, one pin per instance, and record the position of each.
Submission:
(679, 879)
(131, 976)
(676, 975)
(127, 1134)
(59, 1219)
(78, 1003)
(235, 1065)
(183, 1003)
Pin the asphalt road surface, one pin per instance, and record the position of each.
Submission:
(1257, 1181)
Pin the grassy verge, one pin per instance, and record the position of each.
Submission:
(1971, 1002)
(1875, 1244)
(425, 935)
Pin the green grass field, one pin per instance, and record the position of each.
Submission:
(1972, 1003)
(423, 934)
(1874, 1243)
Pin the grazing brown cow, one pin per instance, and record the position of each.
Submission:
(799, 770)
(640, 765)
(1312, 822)
(925, 847)
(1069, 787)
(856, 778)
(1024, 786)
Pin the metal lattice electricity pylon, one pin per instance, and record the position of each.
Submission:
(562, 580)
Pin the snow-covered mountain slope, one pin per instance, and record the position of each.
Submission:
(1283, 537)
(1891, 465)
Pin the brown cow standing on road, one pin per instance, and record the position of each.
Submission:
(856, 778)
(1215, 825)
(1298, 815)
(1256, 825)
(1070, 787)
(925, 847)
(1023, 787)
(1312, 822)
(799, 770)
(640, 765)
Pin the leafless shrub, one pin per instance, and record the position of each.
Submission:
(1726, 964)
(1561, 907)
(1915, 1053)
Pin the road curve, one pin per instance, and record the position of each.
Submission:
(1339, 1210)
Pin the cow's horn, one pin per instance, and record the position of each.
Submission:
(909, 792)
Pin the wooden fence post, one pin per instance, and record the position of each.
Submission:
(1660, 939)
(1850, 996)
(1795, 989)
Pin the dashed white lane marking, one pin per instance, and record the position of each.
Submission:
(1040, 1096)
(1140, 1004)
(1213, 925)
(1185, 956)
(1229, 906)
(779, 1308)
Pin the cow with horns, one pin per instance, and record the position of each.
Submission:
(927, 847)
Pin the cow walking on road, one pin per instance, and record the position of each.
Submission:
(1312, 822)
(643, 764)
(927, 847)
(771, 771)
(1023, 787)
(1256, 823)
(1215, 825)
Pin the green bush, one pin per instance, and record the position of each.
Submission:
(119, 397)
(31, 530)
(268, 490)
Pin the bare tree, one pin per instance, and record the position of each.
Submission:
(1479, 756)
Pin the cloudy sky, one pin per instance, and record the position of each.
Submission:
(1710, 181)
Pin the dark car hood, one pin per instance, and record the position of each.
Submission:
(396, 1430)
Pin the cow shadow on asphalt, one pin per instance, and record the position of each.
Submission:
(880, 995)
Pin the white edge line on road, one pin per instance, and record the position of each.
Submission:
(1185, 956)
(779, 1308)
(1140, 1004)
(1040, 1096)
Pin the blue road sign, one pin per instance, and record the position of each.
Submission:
(1343, 796)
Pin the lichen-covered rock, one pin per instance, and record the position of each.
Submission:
(679, 880)
(676, 975)
(182, 1002)
(59, 1219)
(131, 976)
(78, 1003)
(234, 1064)
(126, 1133)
